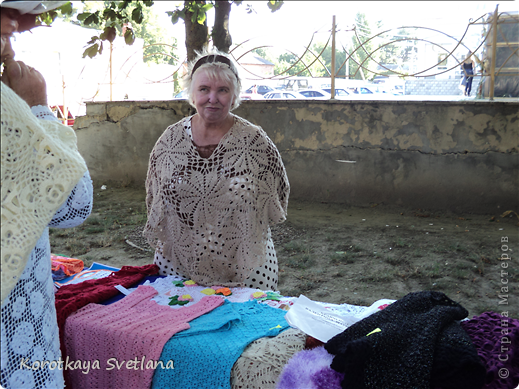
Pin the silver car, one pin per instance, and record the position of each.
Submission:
(284, 95)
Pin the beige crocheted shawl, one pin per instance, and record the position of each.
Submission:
(40, 167)
(212, 215)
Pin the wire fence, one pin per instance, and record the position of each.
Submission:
(394, 55)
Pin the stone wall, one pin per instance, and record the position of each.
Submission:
(460, 156)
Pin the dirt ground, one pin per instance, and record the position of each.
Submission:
(340, 254)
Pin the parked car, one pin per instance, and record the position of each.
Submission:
(366, 90)
(181, 95)
(339, 93)
(318, 94)
(255, 92)
(58, 111)
(279, 94)
(261, 89)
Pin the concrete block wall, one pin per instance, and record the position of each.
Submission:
(455, 155)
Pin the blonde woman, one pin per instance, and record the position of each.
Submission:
(215, 184)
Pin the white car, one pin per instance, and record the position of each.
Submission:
(340, 94)
(285, 95)
(317, 94)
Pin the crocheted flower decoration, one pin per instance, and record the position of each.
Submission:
(208, 291)
(269, 296)
(258, 295)
(190, 283)
(185, 297)
(178, 284)
(176, 301)
(223, 291)
(273, 296)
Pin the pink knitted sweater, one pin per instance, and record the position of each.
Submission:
(118, 345)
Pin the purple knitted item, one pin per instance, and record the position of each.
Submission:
(310, 369)
(497, 341)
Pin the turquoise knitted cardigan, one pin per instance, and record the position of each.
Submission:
(204, 355)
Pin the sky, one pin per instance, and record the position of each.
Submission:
(292, 26)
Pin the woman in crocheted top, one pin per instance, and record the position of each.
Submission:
(45, 182)
(215, 183)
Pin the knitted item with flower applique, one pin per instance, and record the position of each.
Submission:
(132, 329)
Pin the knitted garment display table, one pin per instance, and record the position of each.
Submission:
(118, 345)
(414, 343)
(205, 354)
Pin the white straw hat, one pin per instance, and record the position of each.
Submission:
(32, 7)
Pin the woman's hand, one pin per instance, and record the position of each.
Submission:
(26, 82)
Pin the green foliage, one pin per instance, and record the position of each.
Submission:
(198, 11)
(361, 47)
(274, 5)
(131, 20)
(396, 47)
(114, 16)
(289, 64)
(48, 17)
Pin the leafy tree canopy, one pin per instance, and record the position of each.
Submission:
(130, 19)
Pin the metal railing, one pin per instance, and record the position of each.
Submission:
(362, 55)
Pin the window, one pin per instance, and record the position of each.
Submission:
(442, 61)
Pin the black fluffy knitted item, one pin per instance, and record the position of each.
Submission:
(414, 343)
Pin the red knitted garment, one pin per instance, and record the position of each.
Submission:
(70, 298)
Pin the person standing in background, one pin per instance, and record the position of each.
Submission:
(468, 68)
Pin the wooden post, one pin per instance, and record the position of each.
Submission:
(333, 59)
(111, 50)
(65, 108)
(493, 58)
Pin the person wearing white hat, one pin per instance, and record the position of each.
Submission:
(45, 182)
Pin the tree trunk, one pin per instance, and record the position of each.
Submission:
(197, 36)
(221, 37)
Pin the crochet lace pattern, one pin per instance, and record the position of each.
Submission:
(260, 365)
(414, 343)
(40, 166)
(132, 329)
(205, 354)
(29, 331)
(497, 340)
(212, 214)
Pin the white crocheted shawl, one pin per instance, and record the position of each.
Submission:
(212, 215)
(40, 166)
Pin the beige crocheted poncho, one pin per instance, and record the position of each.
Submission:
(212, 215)
(40, 166)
